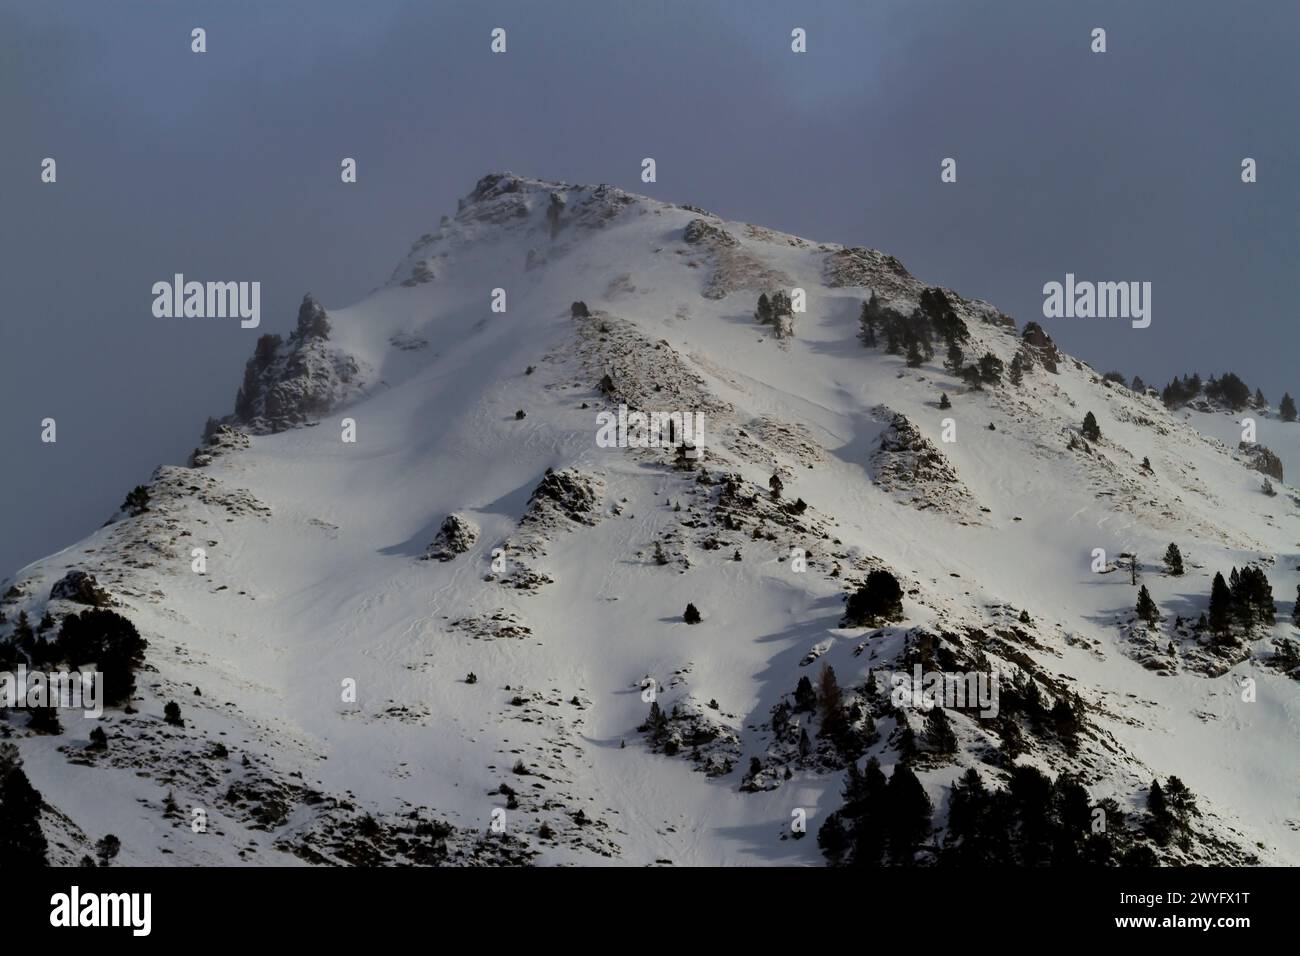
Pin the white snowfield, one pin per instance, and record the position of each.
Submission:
(314, 571)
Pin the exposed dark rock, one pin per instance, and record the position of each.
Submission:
(80, 587)
(456, 536)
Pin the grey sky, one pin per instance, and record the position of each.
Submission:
(225, 166)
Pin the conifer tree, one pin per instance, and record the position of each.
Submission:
(913, 353)
(880, 599)
(939, 736)
(805, 698)
(830, 697)
(776, 485)
(956, 359)
(1016, 374)
(1091, 430)
(908, 817)
(1287, 409)
(107, 849)
(1173, 560)
(1220, 612)
(763, 314)
(22, 844)
(692, 615)
(1159, 818)
(943, 400)
(965, 840)
(1146, 608)
(990, 369)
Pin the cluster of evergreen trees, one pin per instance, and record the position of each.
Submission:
(914, 335)
(778, 312)
(1243, 601)
(1034, 821)
(878, 601)
(22, 844)
(1228, 389)
(1169, 813)
(97, 636)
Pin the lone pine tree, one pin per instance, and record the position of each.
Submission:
(1146, 608)
(1220, 613)
(1173, 560)
(1091, 430)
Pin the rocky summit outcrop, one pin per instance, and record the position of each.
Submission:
(287, 384)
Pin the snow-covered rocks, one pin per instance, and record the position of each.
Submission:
(218, 440)
(80, 587)
(732, 265)
(291, 383)
(456, 536)
(910, 466)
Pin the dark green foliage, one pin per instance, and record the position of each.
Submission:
(1174, 560)
(943, 400)
(939, 736)
(107, 849)
(692, 615)
(990, 369)
(1251, 597)
(805, 698)
(1220, 613)
(914, 357)
(22, 844)
(1146, 608)
(1228, 389)
(137, 501)
(172, 714)
(879, 600)
(1016, 374)
(1091, 430)
(110, 642)
(909, 810)
(1287, 409)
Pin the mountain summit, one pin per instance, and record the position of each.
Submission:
(410, 607)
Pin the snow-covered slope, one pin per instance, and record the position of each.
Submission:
(557, 599)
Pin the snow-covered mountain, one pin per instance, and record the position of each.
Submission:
(476, 526)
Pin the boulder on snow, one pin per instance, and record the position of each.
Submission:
(80, 587)
(456, 536)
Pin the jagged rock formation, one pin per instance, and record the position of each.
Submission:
(287, 384)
